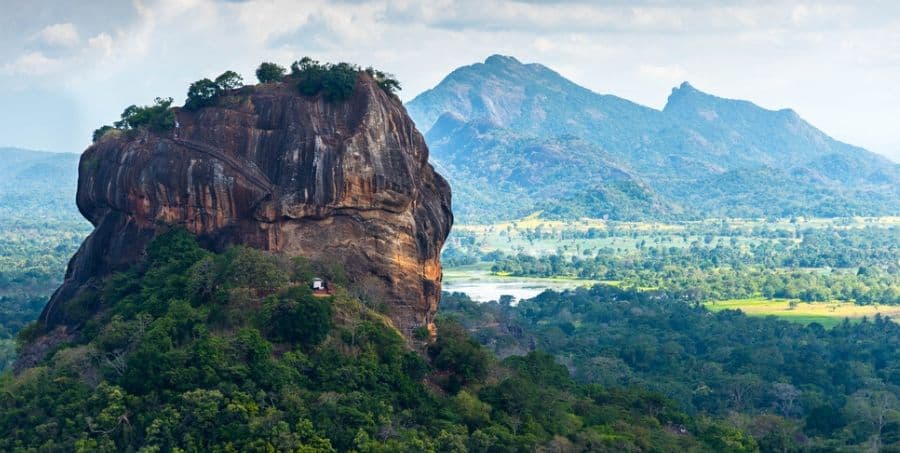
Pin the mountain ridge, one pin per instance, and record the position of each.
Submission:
(677, 151)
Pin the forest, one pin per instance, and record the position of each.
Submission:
(40, 229)
(703, 262)
(231, 352)
(792, 387)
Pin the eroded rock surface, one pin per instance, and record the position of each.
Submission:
(269, 168)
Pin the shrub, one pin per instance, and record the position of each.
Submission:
(386, 81)
(269, 72)
(99, 133)
(157, 117)
(334, 81)
(201, 93)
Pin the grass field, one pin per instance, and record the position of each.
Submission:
(826, 314)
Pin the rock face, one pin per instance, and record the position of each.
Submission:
(271, 169)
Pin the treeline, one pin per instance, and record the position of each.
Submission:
(792, 387)
(704, 274)
(203, 352)
(334, 82)
(859, 265)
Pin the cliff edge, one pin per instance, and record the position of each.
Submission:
(269, 168)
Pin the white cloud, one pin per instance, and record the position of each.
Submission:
(834, 62)
(63, 35)
(32, 64)
(103, 43)
(671, 74)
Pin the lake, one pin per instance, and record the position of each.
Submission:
(481, 286)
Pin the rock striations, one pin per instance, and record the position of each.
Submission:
(271, 169)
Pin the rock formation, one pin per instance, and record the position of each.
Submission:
(271, 169)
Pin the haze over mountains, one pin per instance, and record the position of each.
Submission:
(38, 185)
(516, 138)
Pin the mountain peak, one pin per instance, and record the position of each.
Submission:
(502, 60)
(685, 86)
(687, 94)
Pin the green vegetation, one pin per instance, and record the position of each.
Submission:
(386, 81)
(812, 260)
(827, 314)
(204, 92)
(203, 352)
(229, 80)
(792, 387)
(157, 117)
(40, 229)
(269, 72)
(335, 82)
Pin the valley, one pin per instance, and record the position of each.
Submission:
(755, 265)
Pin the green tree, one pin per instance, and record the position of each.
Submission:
(269, 72)
(156, 117)
(99, 133)
(202, 93)
(229, 80)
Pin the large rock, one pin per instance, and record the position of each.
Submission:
(271, 169)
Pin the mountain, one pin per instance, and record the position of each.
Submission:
(270, 168)
(515, 138)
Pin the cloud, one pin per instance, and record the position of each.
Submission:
(103, 43)
(670, 74)
(63, 35)
(835, 62)
(32, 64)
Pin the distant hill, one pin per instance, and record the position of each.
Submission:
(38, 185)
(514, 138)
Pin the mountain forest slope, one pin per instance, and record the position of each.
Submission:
(198, 351)
(516, 138)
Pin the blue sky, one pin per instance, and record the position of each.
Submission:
(68, 67)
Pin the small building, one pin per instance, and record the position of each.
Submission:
(318, 284)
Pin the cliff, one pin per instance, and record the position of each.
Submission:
(269, 168)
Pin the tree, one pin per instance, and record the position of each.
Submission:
(875, 408)
(157, 117)
(202, 93)
(386, 81)
(454, 352)
(99, 133)
(229, 80)
(298, 316)
(269, 72)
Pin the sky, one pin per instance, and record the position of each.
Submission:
(69, 67)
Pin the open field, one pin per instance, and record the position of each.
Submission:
(827, 314)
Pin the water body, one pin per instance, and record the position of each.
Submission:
(481, 286)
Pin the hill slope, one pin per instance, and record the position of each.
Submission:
(593, 154)
(196, 351)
